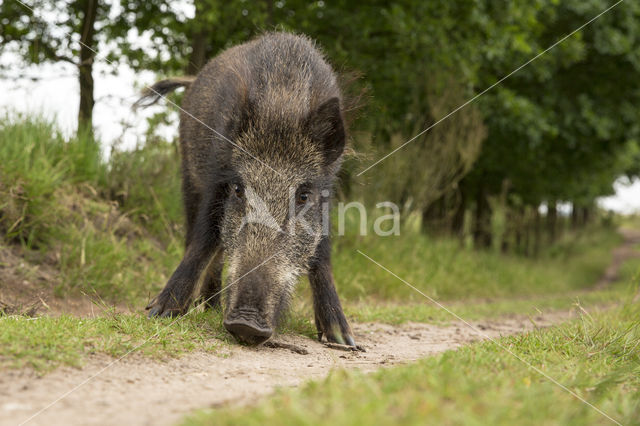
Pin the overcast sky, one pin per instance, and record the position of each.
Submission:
(54, 93)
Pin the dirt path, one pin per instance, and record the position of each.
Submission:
(628, 250)
(137, 391)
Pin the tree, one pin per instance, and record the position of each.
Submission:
(565, 123)
(68, 37)
(73, 31)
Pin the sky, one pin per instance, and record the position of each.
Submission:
(52, 90)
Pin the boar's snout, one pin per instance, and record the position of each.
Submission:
(247, 326)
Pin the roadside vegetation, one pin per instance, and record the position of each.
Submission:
(596, 357)
(110, 230)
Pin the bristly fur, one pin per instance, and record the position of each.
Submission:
(277, 103)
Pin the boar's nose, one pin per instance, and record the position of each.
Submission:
(248, 333)
(247, 329)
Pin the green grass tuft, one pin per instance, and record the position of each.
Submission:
(44, 343)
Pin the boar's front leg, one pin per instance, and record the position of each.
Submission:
(176, 296)
(212, 285)
(330, 320)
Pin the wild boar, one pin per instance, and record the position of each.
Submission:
(262, 137)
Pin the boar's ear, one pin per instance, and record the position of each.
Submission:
(327, 129)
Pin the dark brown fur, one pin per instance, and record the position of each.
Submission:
(262, 122)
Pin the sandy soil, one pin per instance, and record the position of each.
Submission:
(137, 391)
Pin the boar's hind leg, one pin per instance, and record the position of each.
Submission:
(176, 297)
(330, 320)
(212, 285)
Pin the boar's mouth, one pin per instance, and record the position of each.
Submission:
(247, 326)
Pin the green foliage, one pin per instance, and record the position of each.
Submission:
(563, 128)
(31, 33)
(595, 357)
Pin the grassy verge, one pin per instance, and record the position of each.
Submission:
(423, 310)
(61, 200)
(484, 309)
(444, 270)
(596, 357)
(44, 343)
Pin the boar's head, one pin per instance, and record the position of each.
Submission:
(280, 175)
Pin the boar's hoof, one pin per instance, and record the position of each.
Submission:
(159, 309)
(247, 331)
(340, 338)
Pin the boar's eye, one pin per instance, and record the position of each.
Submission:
(238, 190)
(302, 198)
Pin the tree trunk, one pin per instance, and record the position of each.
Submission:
(575, 220)
(457, 222)
(510, 237)
(552, 220)
(482, 231)
(199, 39)
(85, 68)
(586, 215)
(269, 20)
(433, 217)
(537, 233)
(519, 225)
(526, 224)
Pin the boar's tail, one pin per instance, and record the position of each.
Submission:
(151, 94)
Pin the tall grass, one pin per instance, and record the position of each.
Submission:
(443, 268)
(35, 162)
(146, 183)
(54, 198)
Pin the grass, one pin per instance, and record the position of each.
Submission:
(156, 206)
(112, 229)
(428, 312)
(54, 199)
(35, 162)
(597, 357)
(444, 270)
(424, 310)
(45, 342)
